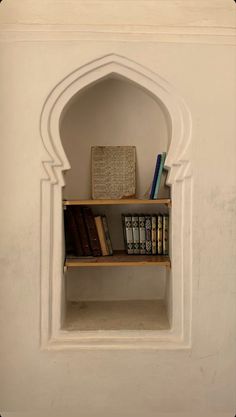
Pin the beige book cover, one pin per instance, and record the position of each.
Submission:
(113, 172)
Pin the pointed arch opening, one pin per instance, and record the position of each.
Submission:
(113, 100)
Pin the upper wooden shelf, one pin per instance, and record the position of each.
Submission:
(165, 201)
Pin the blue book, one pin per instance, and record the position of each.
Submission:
(158, 162)
(163, 157)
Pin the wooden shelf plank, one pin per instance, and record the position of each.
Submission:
(119, 259)
(166, 201)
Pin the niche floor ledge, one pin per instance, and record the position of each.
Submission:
(116, 315)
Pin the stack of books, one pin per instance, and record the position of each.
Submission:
(157, 176)
(146, 234)
(86, 234)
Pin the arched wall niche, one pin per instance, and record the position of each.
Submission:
(52, 252)
(113, 111)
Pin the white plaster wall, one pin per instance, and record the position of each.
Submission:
(198, 381)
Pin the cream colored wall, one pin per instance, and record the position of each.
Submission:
(200, 380)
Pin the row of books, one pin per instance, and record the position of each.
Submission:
(160, 161)
(146, 234)
(86, 234)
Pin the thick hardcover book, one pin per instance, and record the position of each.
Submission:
(142, 235)
(92, 231)
(101, 235)
(165, 235)
(158, 162)
(107, 235)
(163, 157)
(82, 231)
(72, 239)
(148, 229)
(135, 227)
(154, 234)
(129, 234)
(159, 234)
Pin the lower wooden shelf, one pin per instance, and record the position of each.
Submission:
(120, 258)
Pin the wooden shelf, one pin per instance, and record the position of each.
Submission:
(165, 201)
(120, 258)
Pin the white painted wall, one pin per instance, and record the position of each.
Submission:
(199, 380)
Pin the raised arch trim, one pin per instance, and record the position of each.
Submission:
(94, 71)
(179, 164)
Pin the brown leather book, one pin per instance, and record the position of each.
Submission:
(72, 236)
(92, 231)
(82, 231)
(107, 235)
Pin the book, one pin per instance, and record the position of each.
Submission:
(157, 167)
(154, 234)
(135, 228)
(165, 234)
(92, 231)
(159, 234)
(157, 186)
(128, 234)
(113, 172)
(124, 232)
(101, 235)
(142, 234)
(72, 238)
(72, 242)
(148, 228)
(82, 231)
(107, 235)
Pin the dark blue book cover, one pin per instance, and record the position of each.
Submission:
(158, 163)
(160, 171)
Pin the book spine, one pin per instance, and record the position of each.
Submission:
(158, 161)
(72, 240)
(159, 234)
(101, 235)
(92, 231)
(142, 235)
(163, 157)
(107, 235)
(69, 241)
(148, 231)
(129, 235)
(135, 227)
(165, 235)
(82, 231)
(154, 234)
(124, 232)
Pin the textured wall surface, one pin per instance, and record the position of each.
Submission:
(202, 67)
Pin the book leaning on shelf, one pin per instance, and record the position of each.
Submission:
(86, 235)
(158, 174)
(103, 235)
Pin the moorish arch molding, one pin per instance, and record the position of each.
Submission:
(178, 162)
(93, 72)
